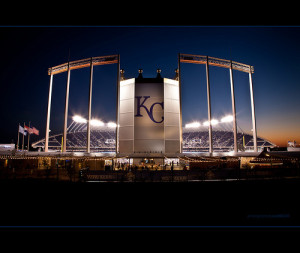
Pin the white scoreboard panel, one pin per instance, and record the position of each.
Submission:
(149, 117)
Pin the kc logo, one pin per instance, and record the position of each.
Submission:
(149, 112)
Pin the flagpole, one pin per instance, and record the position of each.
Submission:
(23, 139)
(18, 136)
(28, 136)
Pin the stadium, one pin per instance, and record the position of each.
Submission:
(148, 133)
(195, 138)
(149, 116)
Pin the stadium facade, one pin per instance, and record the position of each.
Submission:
(149, 118)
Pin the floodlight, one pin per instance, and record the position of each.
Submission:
(214, 122)
(95, 122)
(193, 124)
(111, 124)
(206, 123)
(79, 119)
(228, 118)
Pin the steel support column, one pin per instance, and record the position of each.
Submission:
(253, 113)
(180, 103)
(235, 147)
(66, 110)
(118, 106)
(88, 147)
(209, 107)
(48, 113)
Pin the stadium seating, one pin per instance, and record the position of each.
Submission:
(103, 140)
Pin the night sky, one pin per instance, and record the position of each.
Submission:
(28, 52)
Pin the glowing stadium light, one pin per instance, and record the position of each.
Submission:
(193, 124)
(212, 122)
(95, 122)
(206, 123)
(111, 124)
(79, 119)
(228, 118)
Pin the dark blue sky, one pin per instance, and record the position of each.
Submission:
(27, 53)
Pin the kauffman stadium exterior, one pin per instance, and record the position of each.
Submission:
(149, 119)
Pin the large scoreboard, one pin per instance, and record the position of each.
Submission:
(149, 116)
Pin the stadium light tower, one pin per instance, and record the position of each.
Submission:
(209, 107)
(88, 148)
(253, 113)
(67, 67)
(231, 65)
(48, 112)
(235, 148)
(66, 109)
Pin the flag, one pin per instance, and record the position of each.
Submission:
(35, 131)
(292, 143)
(28, 129)
(21, 130)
